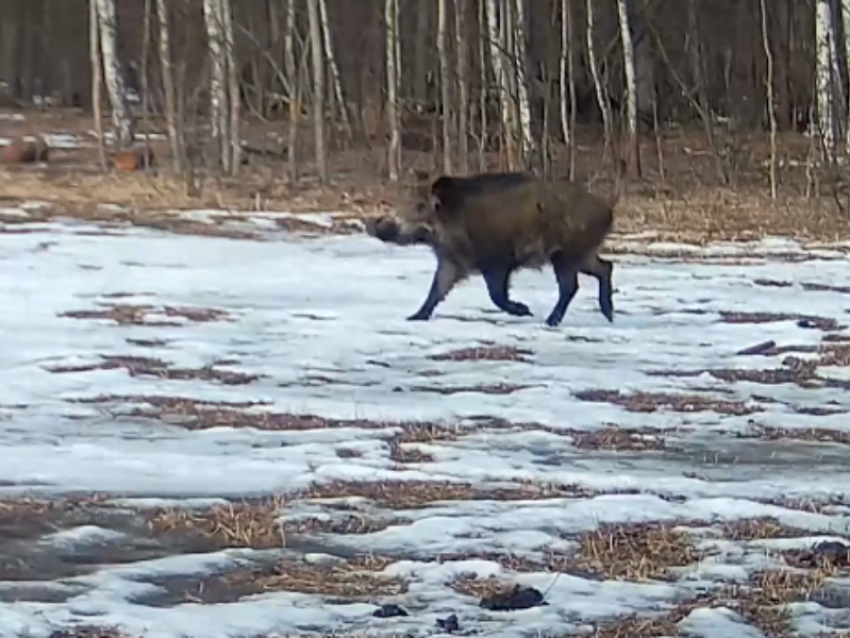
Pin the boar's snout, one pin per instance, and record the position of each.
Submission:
(383, 228)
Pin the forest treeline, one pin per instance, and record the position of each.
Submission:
(455, 78)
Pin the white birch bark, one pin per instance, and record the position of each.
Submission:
(564, 63)
(523, 107)
(218, 82)
(233, 145)
(317, 56)
(294, 93)
(824, 75)
(97, 81)
(631, 82)
(121, 119)
(392, 61)
(462, 81)
(166, 64)
(601, 97)
(495, 41)
(445, 84)
(330, 56)
(845, 15)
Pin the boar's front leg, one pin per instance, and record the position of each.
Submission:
(498, 281)
(448, 273)
(566, 272)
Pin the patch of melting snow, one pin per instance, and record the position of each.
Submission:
(18, 117)
(82, 535)
(334, 307)
(62, 140)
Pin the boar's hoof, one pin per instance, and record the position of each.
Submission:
(518, 309)
(419, 316)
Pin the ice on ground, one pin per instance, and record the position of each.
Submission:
(321, 321)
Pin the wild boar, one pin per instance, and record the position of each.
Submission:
(497, 223)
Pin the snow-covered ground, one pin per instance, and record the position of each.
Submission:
(321, 321)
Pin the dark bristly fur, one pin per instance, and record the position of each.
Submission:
(497, 223)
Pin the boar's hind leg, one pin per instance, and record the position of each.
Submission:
(601, 270)
(446, 276)
(498, 282)
(566, 272)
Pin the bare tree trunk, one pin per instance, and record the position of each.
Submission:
(421, 49)
(316, 54)
(601, 94)
(234, 140)
(145, 89)
(523, 107)
(97, 80)
(393, 73)
(564, 60)
(167, 71)
(572, 87)
(771, 101)
(845, 16)
(484, 90)
(631, 87)
(121, 118)
(825, 73)
(445, 84)
(219, 124)
(498, 65)
(292, 76)
(462, 51)
(334, 70)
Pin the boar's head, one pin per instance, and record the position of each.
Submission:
(414, 223)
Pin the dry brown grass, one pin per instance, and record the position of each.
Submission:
(804, 321)
(89, 631)
(259, 524)
(490, 388)
(32, 517)
(147, 366)
(200, 415)
(621, 439)
(810, 435)
(654, 401)
(485, 353)
(414, 494)
(638, 552)
(353, 580)
(138, 314)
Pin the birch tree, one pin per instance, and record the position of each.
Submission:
(294, 90)
(165, 61)
(234, 140)
(631, 86)
(497, 62)
(845, 14)
(445, 84)
(825, 72)
(393, 73)
(219, 120)
(97, 81)
(565, 71)
(121, 119)
(521, 83)
(318, 66)
(771, 101)
(336, 81)
(462, 85)
(601, 97)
